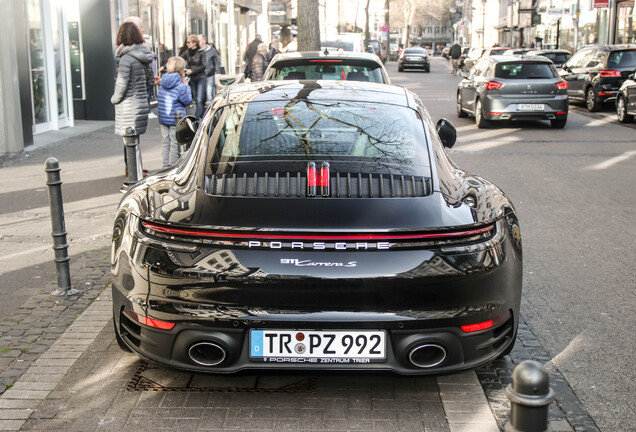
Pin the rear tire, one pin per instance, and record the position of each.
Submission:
(481, 122)
(558, 123)
(590, 100)
(460, 111)
(621, 111)
(400, 69)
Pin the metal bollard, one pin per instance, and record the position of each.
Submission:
(59, 229)
(530, 396)
(135, 170)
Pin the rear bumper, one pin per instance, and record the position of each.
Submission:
(423, 298)
(498, 108)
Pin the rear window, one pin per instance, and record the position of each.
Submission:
(498, 51)
(524, 70)
(622, 59)
(328, 130)
(327, 69)
(416, 51)
(557, 57)
(343, 45)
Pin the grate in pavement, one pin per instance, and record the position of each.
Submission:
(152, 378)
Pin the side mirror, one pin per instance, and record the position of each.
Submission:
(463, 74)
(447, 133)
(186, 129)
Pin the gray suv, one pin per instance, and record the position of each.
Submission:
(513, 88)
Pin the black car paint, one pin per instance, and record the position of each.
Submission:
(583, 74)
(416, 294)
(626, 99)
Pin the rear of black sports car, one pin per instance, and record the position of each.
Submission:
(310, 229)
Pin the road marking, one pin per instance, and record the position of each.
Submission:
(613, 161)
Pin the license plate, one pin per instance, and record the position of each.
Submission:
(318, 346)
(530, 107)
(417, 59)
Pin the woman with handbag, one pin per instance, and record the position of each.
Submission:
(135, 80)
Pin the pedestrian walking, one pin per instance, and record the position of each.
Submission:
(135, 80)
(195, 72)
(211, 67)
(454, 57)
(250, 52)
(274, 48)
(259, 63)
(172, 99)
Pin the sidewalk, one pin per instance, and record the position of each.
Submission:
(63, 370)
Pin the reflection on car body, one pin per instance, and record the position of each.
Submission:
(317, 225)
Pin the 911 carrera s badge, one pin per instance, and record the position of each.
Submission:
(309, 263)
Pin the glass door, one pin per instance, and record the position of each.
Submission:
(48, 56)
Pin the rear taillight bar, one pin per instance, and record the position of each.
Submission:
(150, 322)
(609, 73)
(469, 328)
(562, 85)
(310, 237)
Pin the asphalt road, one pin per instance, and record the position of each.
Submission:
(574, 191)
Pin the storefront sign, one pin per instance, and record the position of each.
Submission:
(601, 3)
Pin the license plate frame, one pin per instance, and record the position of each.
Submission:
(529, 107)
(318, 346)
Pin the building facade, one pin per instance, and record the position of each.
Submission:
(60, 52)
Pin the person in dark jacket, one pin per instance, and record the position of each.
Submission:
(134, 81)
(250, 52)
(211, 67)
(274, 48)
(195, 71)
(173, 97)
(454, 55)
(259, 63)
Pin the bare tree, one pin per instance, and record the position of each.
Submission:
(308, 25)
(409, 13)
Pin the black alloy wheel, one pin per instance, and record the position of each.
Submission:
(460, 111)
(590, 100)
(621, 111)
(481, 122)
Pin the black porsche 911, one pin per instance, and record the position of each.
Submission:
(316, 225)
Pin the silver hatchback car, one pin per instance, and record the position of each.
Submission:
(513, 88)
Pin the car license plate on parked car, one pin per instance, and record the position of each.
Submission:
(530, 107)
(318, 346)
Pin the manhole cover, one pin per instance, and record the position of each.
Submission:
(148, 377)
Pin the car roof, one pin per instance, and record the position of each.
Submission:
(328, 90)
(555, 51)
(611, 47)
(517, 58)
(325, 54)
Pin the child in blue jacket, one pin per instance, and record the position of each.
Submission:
(173, 97)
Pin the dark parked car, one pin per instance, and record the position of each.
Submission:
(377, 47)
(513, 88)
(558, 56)
(626, 100)
(327, 65)
(595, 73)
(414, 58)
(316, 225)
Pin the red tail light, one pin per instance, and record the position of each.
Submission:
(235, 236)
(493, 85)
(311, 179)
(164, 325)
(325, 61)
(562, 85)
(469, 328)
(610, 73)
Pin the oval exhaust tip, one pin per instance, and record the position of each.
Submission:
(427, 355)
(207, 353)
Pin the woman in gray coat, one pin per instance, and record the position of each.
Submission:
(134, 81)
